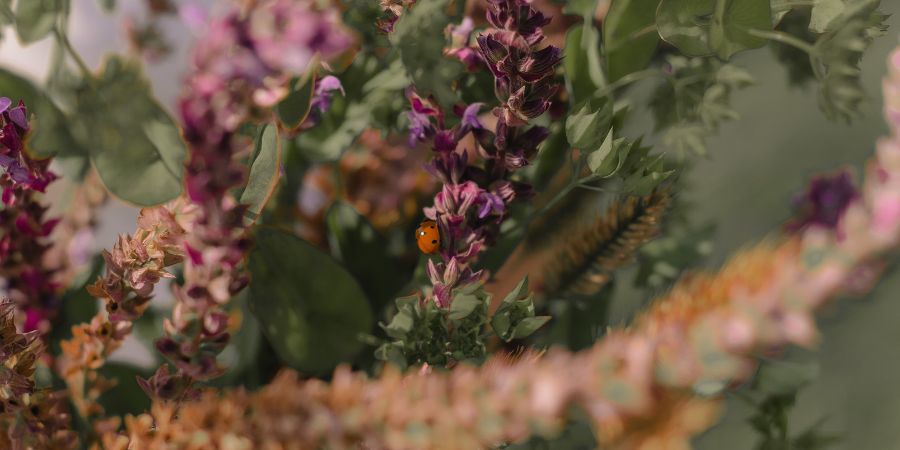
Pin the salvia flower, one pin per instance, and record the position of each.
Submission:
(242, 66)
(461, 46)
(24, 229)
(475, 199)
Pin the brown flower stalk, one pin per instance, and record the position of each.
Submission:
(133, 267)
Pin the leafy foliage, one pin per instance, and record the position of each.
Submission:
(706, 27)
(265, 170)
(695, 100)
(419, 41)
(421, 332)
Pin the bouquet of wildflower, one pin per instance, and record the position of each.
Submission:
(403, 224)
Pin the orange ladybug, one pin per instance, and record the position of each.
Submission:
(428, 237)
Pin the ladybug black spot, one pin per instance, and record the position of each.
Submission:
(434, 241)
(431, 226)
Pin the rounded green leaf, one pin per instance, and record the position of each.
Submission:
(293, 109)
(629, 36)
(310, 308)
(35, 19)
(584, 73)
(265, 170)
(732, 22)
(134, 144)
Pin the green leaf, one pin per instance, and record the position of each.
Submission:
(292, 111)
(731, 24)
(338, 139)
(310, 308)
(265, 170)
(464, 305)
(785, 377)
(134, 144)
(126, 397)
(604, 162)
(685, 24)
(519, 292)
(107, 5)
(529, 325)
(589, 124)
(584, 73)
(824, 13)
(35, 19)
(50, 134)
(583, 8)
(7, 17)
(629, 36)
(419, 38)
(364, 252)
(703, 27)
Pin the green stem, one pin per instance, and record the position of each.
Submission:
(66, 44)
(790, 5)
(784, 38)
(626, 80)
(634, 35)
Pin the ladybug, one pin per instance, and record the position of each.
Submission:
(428, 237)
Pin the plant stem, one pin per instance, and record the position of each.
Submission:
(626, 80)
(64, 41)
(783, 38)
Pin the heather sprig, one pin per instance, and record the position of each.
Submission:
(24, 228)
(241, 68)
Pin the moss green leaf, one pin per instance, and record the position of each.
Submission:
(589, 124)
(732, 22)
(294, 108)
(35, 19)
(50, 134)
(265, 170)
(7, 16)
(685, 24)
(311, 309)
(629, 36)
(584, 73)
(364, 252)
(134, 144)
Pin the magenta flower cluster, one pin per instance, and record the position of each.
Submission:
(242, 67)
(474, 199)
(25, 229)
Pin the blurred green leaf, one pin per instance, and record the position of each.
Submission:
(785, 377)
(584, 73)
(589, 124)
(685, 24)
(265, 170)
(135, 145)
(629, 36)
(419, 38)
(731, 24)
(107, 5)
(50, 133)
(583, 8)
(514, 318)
(7, 17)
(704, 27)
(825, 12)
(292, 111)
(527, 326)
(126, 397)
(364, 252)
(309, 307)
(35, 19)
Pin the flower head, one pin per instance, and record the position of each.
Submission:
(825, 200)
